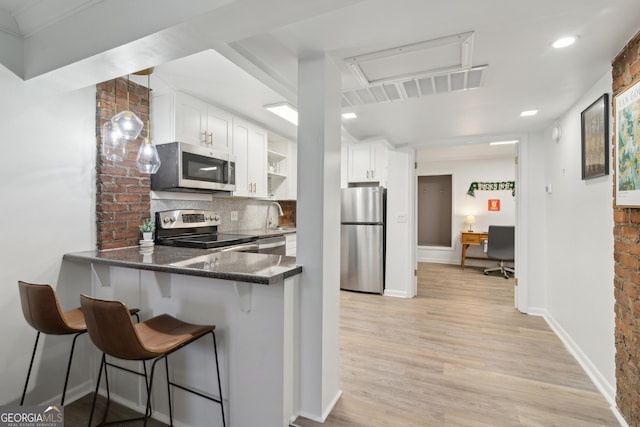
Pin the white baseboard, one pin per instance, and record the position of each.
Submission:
(72, 395)
(396, 293)
(603, 386)
(325, 413)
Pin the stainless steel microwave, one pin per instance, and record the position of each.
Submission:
(187, 167)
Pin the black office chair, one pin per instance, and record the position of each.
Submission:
(500, 246)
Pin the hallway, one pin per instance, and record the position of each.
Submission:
(457, 355)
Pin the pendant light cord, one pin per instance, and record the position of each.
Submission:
(128, 92)
(149, 108)
(115, 96)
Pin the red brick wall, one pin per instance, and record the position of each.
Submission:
(625, 72)
(122, 193)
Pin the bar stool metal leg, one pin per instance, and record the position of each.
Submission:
(33, 356)
(215, 351)
(66, 378)
(166, 369)
(95, 394)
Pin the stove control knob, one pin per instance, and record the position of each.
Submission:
(216, 218)
(172, 219)
(166, 220)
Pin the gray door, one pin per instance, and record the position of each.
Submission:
(362, 262)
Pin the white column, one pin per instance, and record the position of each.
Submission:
(318, 233)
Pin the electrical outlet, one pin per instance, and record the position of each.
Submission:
(234, 215)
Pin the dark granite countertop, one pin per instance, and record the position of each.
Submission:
(239, 266)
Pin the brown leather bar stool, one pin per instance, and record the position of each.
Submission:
(42, 311)
(113, 332)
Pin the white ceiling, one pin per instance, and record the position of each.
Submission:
(266, 37)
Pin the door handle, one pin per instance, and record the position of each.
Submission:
(203, 138)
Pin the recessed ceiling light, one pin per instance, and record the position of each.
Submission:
(513, 141)
(349, 116)
(564, 42)
(528, 113)
(284, 110)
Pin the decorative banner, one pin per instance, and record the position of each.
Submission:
(492, 186)
(494, 205)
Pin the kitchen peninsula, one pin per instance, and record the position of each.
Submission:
(251, 298)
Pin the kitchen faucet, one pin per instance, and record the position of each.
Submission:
(271, 224)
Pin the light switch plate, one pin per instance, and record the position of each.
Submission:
(234, 215)
(401, 217)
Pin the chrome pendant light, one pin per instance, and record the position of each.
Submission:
(129, 125)
(113, 146)
(148, 160)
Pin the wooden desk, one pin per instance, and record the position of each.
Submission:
(468, 238)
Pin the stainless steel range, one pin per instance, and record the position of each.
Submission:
(199, 229)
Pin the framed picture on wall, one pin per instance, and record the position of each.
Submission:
(595, 138)
(627, 141)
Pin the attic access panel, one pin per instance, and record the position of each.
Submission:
(445, 54)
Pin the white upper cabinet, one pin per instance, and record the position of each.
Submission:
(282, 175)
(181, 117)
(367, 162)
(250, 151)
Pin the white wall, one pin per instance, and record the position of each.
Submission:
(400, 263)
(465, 172)
(47, 191)
(578, 252)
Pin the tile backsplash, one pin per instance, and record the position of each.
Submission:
(252, 213)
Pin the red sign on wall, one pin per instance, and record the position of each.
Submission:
(494, 205)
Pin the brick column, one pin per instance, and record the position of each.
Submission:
(626, 72)
(122, 193)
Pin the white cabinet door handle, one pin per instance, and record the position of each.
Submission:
(203, 138)
(211, 138)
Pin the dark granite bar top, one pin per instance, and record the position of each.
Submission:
(239, 266)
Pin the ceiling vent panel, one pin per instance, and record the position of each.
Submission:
(352, 98)
(458, 81)
(378, 93)
(475, 78)
(391, 91)
(366, 96)
(445, 54)
(417, 87)
(426, 86)
(411, 89)
(442, 83)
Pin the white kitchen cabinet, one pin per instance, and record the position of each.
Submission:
(290, 242)
(184, 118)
(250, 151)
(282, 169)
(367, 162)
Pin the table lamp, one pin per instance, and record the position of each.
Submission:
(470, 220)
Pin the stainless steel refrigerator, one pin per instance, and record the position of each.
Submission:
(362, 239)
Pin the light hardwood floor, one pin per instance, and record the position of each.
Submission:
(457, 355)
